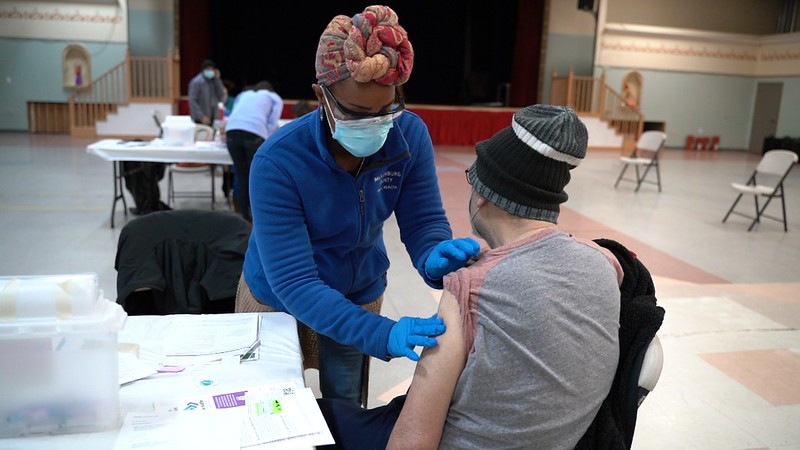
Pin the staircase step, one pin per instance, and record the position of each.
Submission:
(601, 134)
(133, 120)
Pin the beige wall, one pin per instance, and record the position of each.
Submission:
(156, 5)
(701, 60)
(730, 16)
(565, 18)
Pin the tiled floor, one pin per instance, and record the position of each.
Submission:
(731, 377)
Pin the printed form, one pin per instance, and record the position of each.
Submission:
(275, 416)
(283, 418)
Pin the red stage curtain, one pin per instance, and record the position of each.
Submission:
(195, 39)
(527, 52)
(462, 126)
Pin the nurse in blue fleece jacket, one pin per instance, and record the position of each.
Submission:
(321, 188)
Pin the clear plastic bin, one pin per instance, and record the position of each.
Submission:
(178, 131)
(58, 356)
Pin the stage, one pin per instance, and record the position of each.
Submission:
(448, 125)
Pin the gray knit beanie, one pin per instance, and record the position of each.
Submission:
(523, 168)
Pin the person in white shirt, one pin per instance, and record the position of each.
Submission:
(253, 119)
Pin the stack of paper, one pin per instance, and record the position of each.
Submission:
(190, 340)
(131, 368)
(275, 416)
(211, 337)
(167, 431)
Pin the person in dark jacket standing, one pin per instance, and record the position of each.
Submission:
(321, 188)
(206, 91)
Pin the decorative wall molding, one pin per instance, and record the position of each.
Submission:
(780, 56)
(704, 52)
(65, 21)
(673, 49)
(57, 15)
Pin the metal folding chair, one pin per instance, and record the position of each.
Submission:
(766, 181)
(202, 133)
(645, 156)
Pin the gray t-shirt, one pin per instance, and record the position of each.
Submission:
(541, 322)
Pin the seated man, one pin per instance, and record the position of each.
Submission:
(531, 346)
(141, 179)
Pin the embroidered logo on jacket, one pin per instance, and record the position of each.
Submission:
(389, 180)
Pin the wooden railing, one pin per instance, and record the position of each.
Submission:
(103, 96)
(142, 79)
(151, 79)
(593, 97)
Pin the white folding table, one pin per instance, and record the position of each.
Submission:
(280, 360)
(116, 151)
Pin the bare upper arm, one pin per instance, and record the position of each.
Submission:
(422, 420)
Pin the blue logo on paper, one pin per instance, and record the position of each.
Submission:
(191, 406)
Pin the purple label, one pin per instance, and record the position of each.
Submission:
(231, 400)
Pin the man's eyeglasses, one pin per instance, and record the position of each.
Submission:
(343, 113)
(469, 181)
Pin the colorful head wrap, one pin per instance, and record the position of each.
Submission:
(371, 46)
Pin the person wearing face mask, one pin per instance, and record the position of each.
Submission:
(206, 91)
(532, 342)
(321, 188)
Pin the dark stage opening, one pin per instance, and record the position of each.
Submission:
(464, 50)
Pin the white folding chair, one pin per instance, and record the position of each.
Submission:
(201, 133)
(158, 118)
(767, 181)
(645, 155)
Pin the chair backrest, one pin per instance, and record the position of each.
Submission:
(777, 162)
(188, 260)
(158, 116)
(652, 364)
(651, 141)
(203, 133)
(158, 119)
(645, 372)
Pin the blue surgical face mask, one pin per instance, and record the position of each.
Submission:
(208, 74)
(362, 137)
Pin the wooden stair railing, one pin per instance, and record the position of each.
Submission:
(136, 79)
(152, 79)
(102, 97)
(593, 97)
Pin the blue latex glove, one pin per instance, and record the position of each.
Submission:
(451, 255)
(410, 332)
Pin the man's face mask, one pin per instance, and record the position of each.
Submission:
(472, 215)
(208, 73)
